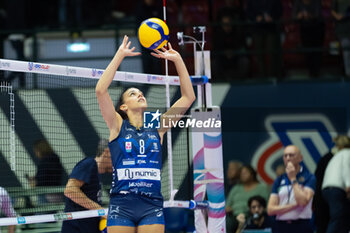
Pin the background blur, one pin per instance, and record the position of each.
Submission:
(249, 40)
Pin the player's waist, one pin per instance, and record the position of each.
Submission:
(132, 174)
(143, 192)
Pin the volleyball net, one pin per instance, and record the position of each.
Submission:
(62, 110)
(61, 114)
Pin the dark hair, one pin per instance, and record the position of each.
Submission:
(251, 170)
(102, 145)
(42, 147)
(259, 199)
(120, 103)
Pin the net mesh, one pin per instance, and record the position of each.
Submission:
(63, 110)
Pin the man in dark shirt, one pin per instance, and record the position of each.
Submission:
(258, 218)
(83, 190)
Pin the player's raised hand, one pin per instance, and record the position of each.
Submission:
(169, 54)
(124, 48)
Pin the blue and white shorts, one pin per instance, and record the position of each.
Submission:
(134, 210)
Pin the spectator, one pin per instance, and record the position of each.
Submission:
(266, 33)
(49, 171)
(83, 189)
(6, 208)
(319, 204)
(336, 191)
(341, 13)
(280, 170)
(239, 195)
(230, 60)
(149, 9)
(312, 32)
(232, 174)
(292, 195)
(258, 218)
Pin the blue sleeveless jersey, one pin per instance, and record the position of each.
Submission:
(137, 161)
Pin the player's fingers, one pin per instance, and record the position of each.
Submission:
(157, 51)
(155, 54)
(170, 46)
(135, 54)
(125, 39)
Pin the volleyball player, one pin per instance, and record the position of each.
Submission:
(136, 202)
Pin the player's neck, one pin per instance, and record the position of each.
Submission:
(136, 120)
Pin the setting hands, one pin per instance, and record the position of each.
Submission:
(124, 49)
(169, 54)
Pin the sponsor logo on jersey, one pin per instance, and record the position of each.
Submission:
(128, 161)
(159, 214)
(153, 161)
(149, 194)
(113, 209)
(142, 156)
(128, 146)
(152, 136)
(138, 174)
(141, 161)
(128, 136)
(140, 184)
(155, 147)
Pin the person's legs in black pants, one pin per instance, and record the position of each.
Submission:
(336, 199)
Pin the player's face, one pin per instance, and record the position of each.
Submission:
(134, 98)
(292, 154)
(256, 208)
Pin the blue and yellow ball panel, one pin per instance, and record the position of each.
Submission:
(153, 33)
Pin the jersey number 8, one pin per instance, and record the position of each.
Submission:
(142, 146)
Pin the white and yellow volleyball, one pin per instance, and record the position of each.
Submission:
(153, 33)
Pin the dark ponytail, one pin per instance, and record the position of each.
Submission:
(120, 103)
